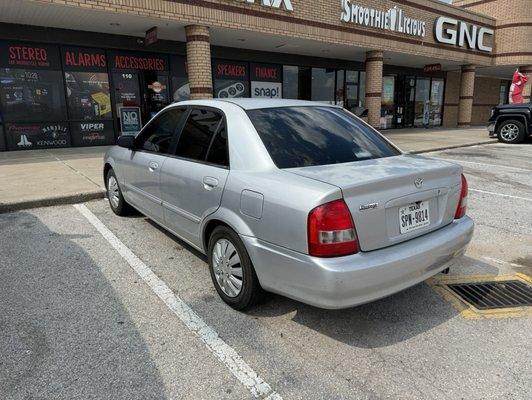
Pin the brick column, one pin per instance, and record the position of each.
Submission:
(199, 61)
(465, 102)
(527, 90)
(374, 86)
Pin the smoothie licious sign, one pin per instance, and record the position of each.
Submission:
(29, 55)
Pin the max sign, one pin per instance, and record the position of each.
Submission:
(452, 31)
(286, 4)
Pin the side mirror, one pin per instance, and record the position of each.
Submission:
(127, 141)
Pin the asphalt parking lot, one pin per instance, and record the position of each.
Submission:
(85, 312)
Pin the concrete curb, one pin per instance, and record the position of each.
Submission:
(456, 146)
(52, 201)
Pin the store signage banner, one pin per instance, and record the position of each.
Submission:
(231, 79)
(83, 59)
(269, 90)
(29, 55)
(266, 80)
(459, 33)
(130, 120)
(139, 61)
(92, 133)
(151, 36)
(281, 4)
(432, 68)
(394, 19)
(37, 136)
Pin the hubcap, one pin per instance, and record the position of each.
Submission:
(509, 132)
(227, 268)
(113, 192)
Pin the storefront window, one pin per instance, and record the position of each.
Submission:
(88, 95)
(323, 80)
(32, 95)
(422, 102)
(351, 91)
(362, 90)
(387, 102)
(2, 138)
(231, 79)
(340, 91)
(179, 73)
(436, 102)
(290, 82)
(503, 92)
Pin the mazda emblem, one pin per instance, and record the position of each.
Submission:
(418, 183)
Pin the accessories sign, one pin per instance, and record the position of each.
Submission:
(393, 19)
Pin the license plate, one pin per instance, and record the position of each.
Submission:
(414, 216)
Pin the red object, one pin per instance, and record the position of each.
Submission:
(519, 80)
(462, 202)
(331, 231)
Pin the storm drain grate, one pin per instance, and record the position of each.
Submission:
(495, 294)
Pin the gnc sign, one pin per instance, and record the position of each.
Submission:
(459, 33)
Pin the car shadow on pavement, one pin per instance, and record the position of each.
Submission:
(381, 323)
(64, 333)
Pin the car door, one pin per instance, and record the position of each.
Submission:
(143, 166)
(192, 180)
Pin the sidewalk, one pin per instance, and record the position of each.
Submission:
(37, 178)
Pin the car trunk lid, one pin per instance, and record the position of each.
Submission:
(382, 193)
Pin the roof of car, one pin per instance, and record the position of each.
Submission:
(251, 104)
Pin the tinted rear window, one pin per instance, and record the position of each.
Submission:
(306, 136)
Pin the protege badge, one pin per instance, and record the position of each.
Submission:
(369, 206)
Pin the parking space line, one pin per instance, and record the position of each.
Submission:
(225, 353)
(500, 194)
(485, 164)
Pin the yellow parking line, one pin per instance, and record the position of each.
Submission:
(439, 284)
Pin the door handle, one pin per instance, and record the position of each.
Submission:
(152, 166)
(209, 182)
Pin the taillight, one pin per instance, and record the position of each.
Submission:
(462, 202)
(331, 231)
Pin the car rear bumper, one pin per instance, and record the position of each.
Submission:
(343, 282)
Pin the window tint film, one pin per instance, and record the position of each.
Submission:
(219, 153)
(197, 134)
(306, 136)
(157, 136)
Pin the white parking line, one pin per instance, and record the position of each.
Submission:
(485, 164)
(500, 194)
(225, 353)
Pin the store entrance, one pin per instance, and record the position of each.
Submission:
(419, 101)
(147, 90)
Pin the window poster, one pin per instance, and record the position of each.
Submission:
(92, 133)
(44, 135)
(130, 120)
(231, 79)
(179, 73)
(266, 81)
(88, 95)
(32, 95)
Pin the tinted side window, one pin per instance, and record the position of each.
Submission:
(158, 135)
(219, 152)
(197, 134)
(305, 136)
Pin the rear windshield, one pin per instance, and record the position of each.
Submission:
(306, 136)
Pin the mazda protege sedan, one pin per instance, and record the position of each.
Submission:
(292, 197)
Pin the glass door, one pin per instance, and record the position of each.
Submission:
(155, 85)
(436, 102)
(127, 93)
(422, 102)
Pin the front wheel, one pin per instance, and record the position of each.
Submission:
(114, 194)
(232, 272)
(511, 131)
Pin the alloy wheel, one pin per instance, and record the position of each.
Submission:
(227, 268)
(113, 192)
(509, 132)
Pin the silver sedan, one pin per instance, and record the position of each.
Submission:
(292, 197)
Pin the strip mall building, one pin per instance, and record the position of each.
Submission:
(82, 72)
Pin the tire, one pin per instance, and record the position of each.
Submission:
(511, 131)
(225, 277)
(114, 194)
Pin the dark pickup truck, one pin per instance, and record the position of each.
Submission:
(511, 123)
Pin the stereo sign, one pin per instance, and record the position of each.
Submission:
(393, 19)
(458, 33)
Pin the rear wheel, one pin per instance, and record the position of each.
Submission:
(232, 272)
(511, 131)
(114, 194)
